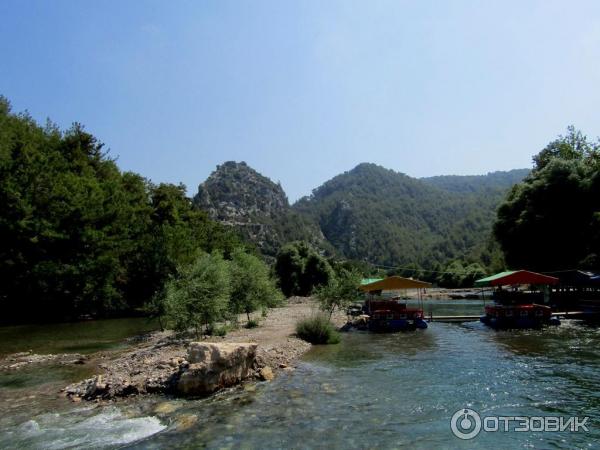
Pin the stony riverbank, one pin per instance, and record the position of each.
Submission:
(158, 358)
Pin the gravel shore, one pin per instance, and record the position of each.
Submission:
(157, 357)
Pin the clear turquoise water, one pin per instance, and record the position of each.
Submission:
(391, 391)
(370, 391)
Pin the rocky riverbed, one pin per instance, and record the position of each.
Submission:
(157, 361)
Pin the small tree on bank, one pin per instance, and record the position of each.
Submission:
(252, 288)
(199, 295)
(340, 292)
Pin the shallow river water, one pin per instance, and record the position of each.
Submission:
(370, 391)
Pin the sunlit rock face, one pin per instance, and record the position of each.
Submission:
(236, 195)
(215, 366)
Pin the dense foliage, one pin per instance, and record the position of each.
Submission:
(79, 236)
(551, 221)
(458, 275)
(300, 269)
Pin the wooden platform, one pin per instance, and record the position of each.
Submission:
(451, 319)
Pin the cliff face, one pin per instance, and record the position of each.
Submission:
(236, 195)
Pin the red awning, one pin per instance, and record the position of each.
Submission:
(523, 277)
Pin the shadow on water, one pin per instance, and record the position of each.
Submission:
(44, 374)
(80, 337)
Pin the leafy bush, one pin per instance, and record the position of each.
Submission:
(200, 294)
(340, 292)
(215, 330)
(317, 330)
(252, 287)
(252, 323)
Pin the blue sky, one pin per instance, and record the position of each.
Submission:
(304, 90)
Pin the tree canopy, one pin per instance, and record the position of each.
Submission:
(300, 269)
(252, 286)
(551, 220)
(81, 237)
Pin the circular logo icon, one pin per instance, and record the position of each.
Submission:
(465, 424)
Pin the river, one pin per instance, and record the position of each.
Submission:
(370, 391)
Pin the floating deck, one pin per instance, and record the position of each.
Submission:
(451, 319)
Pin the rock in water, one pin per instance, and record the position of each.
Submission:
(166, 408)
(266, 374)
(214, 366)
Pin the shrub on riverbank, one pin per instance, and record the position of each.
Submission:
(215, 290)
(317, 330)
(252, 288)
(200, 295)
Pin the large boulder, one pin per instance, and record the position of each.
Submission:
(214, 366)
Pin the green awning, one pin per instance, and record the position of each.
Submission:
(369, 280)
(487, 281)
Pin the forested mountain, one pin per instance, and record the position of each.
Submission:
(369, 213)
(375, 214)
(478, 184)
(236, 195)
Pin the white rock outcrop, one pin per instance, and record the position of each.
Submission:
(213, 366)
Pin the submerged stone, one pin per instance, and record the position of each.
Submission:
(166, 408)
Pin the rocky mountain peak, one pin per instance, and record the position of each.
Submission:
(235, 192)
(237, 195)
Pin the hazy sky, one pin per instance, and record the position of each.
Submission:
(304, 90)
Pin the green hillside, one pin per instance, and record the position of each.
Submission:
(385, 217)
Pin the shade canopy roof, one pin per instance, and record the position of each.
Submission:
(369, 280)
(579, 278)
(393, 284)
(516, 277)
